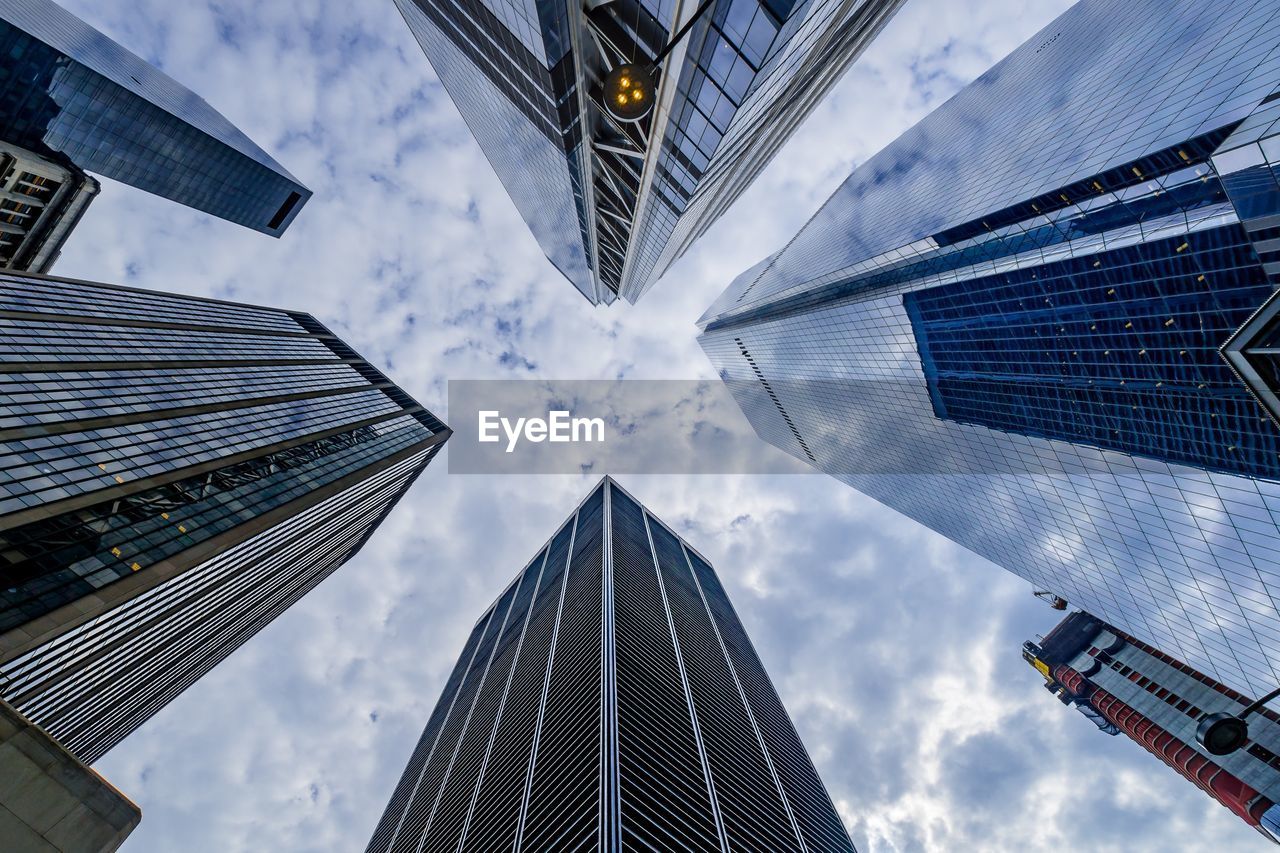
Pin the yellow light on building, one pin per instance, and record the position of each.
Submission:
(627, 92)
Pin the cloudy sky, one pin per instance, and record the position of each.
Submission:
(896, 651)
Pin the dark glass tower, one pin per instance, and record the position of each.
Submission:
(70, 94)
(613, 204)
(1124, 685)
(610, 699)
(174, 473)
(1007, 325)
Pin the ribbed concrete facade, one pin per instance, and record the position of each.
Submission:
(609, 699)
(41, 202)
(50, 802)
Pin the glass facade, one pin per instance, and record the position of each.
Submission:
(69, 93)
(149, 466)
(613, 205)
(1007, 324)
(513, 80)
(1138, 372)
(610, 699)
(752, 73)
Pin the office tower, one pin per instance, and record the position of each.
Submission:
(75, 97)
(613, 203)
(40, 203)
(174, 473)
(1124, 685)
(610, 699)
(1006, 325)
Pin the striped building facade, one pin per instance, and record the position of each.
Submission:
(610, 698)
(175, 472)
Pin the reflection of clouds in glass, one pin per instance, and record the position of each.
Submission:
(1180, 557)
(115, 115)
(942, 171)
(863, 615)
(534, 171)
(1135, 541)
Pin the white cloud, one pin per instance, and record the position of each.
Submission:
(896, 651)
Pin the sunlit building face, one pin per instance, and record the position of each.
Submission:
(1007, 325)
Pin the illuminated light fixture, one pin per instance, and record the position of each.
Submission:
(628, 93)
(629, 88)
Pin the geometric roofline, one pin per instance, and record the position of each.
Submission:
(1239, 352)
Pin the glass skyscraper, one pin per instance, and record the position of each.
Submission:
(1007, 324)
(175, 472)
(613, 204)
(610, 699)
(70, 94)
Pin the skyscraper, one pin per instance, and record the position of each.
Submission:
(40, 204)
(614, 203)
(70, 94)
(1124, 685)
(610, 699)
(175, 472)
(1006, 325)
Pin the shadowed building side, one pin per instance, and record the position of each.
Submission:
(51, 802)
